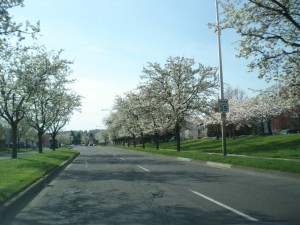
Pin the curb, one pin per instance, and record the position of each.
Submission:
(184, 159)
(218, 165)
(12, 206)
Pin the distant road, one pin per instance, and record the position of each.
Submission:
(112, 186)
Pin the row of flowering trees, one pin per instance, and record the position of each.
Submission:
(34, 82)
(181, 93)
(169, 97)
(176, 93)
(267, 105)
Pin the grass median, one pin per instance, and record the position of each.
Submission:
(17, 174)
(265, 152)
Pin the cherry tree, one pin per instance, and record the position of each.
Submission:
(155, 117)
(53, 103)
(102, 137)
(8, 27)
(20, 81)
(264, 107)
(269, 31)
(129, 116)
(235, 117)
(113, 123)
(63, 106)
(183, 86)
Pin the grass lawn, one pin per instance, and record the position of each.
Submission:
(276, 146)
(17, 174)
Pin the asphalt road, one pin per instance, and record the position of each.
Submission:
(113, 186)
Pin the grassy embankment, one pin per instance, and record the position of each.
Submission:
(17, 174)
(277, 147)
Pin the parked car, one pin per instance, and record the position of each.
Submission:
(290, 131)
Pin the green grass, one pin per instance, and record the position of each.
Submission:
(265, 147)
(17, 174)
(276, 146)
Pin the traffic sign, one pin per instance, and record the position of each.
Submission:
(223, 105)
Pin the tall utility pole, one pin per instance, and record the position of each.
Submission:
(223, 112)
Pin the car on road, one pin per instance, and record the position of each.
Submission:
(290, 131)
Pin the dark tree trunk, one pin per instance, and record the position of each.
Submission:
(233, 134)
(40, 134)
(14, 153)
(269, 127)
(143, 140)
(157, 140)
(262, 128)
(54, 141)
(134, 140)
(177, 136)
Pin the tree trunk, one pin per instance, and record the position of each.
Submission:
(54, 141)
(134, 140)
(177, 136)
(143, 140)
(233, 133)
(262, 127)
(157, 140)
(269, 127)
(40, 134)
(14, 128)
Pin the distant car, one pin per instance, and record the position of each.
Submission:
(290, 131)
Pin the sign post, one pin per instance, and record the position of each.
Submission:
(223, 107)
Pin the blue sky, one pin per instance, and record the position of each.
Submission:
(111, 40)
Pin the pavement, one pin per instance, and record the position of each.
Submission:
(21, 199)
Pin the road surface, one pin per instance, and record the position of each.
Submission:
(113, 186)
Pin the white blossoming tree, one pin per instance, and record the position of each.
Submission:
(270, 36)
(183, 86)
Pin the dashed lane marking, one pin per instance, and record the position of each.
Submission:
(143, 168)
(224, 206)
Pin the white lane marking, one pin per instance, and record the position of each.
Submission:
(68, 166)
(123, 159)
(224, 206)
(143, 168)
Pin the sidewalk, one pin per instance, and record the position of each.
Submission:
(257, 157)
(34, 151)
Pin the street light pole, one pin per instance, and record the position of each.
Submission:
(223, 114)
